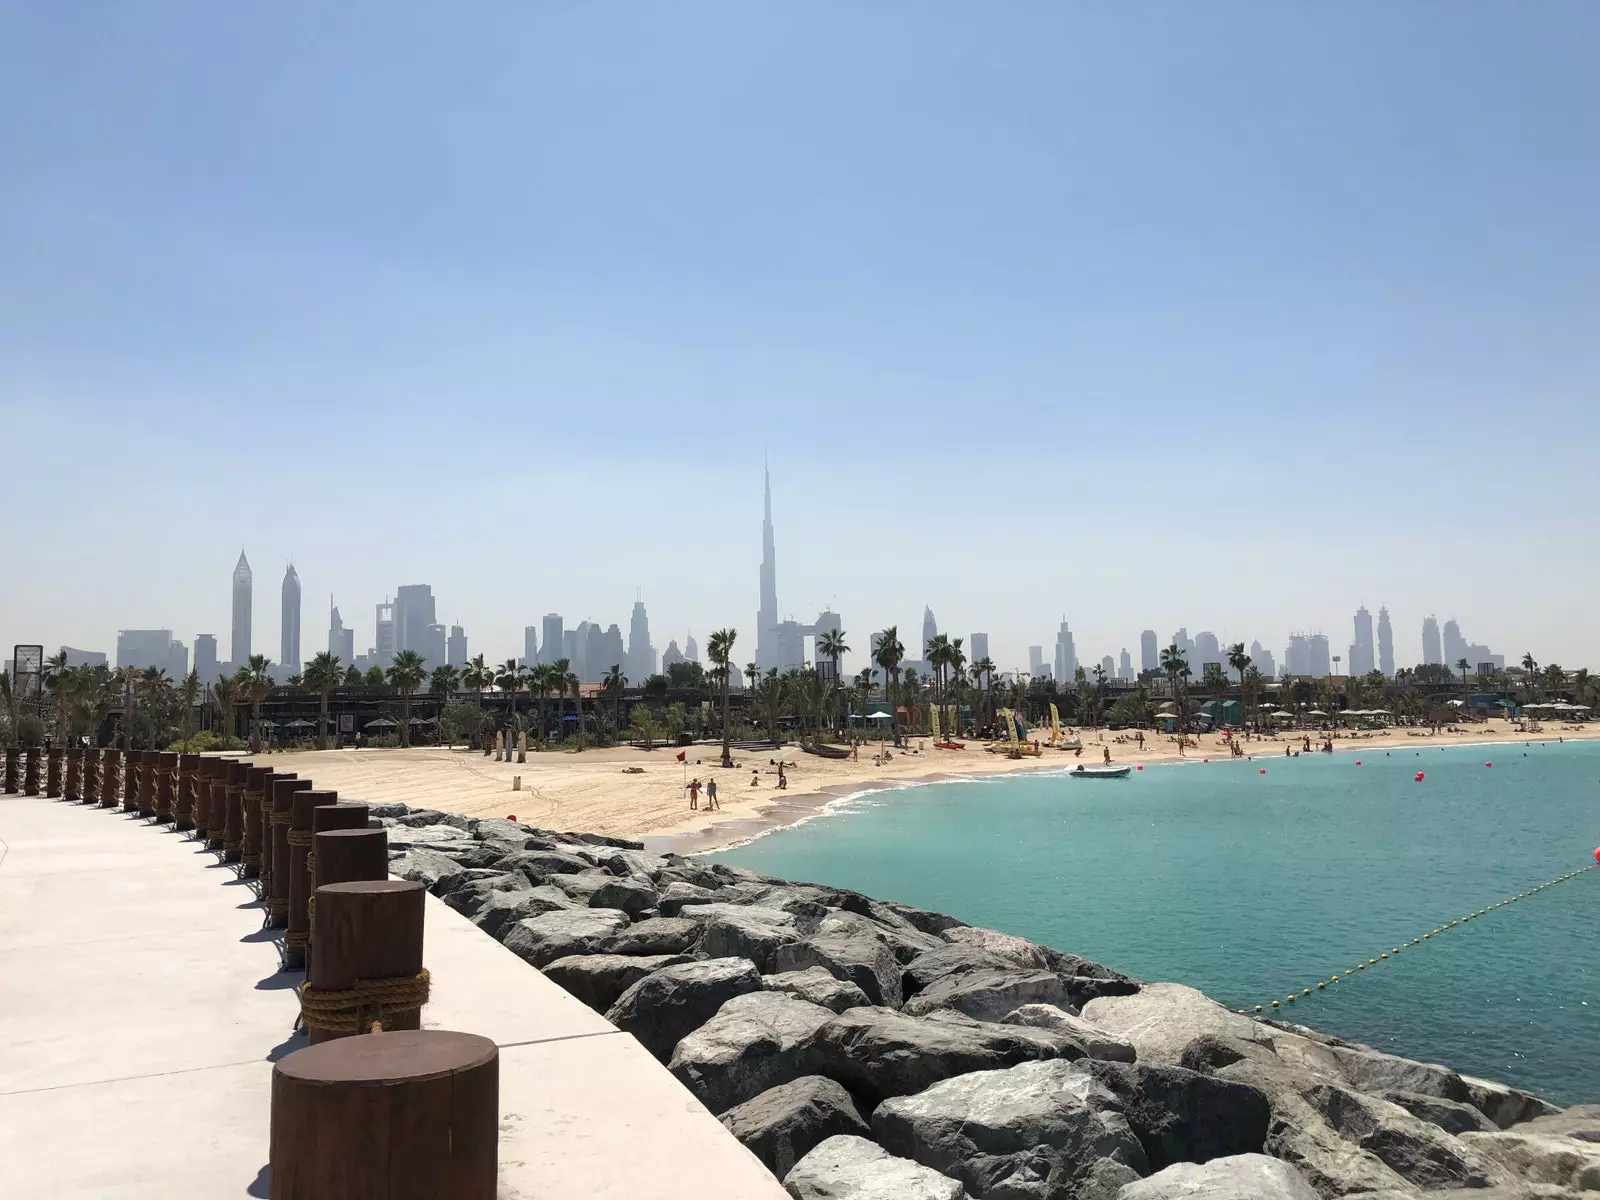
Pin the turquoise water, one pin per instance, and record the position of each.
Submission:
(1250, 886)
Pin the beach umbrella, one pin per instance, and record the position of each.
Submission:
(1315, 712)
(879, 716)
(299, 723)
(381, 723)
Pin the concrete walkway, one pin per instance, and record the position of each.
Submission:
(141, 1009)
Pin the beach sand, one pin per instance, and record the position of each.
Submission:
(633, 793)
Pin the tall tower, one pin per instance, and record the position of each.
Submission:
(930, 630)
(1385, 644)
(1432, 651)
(1361, 657)
(289, 650)
(767, 654)
(641, 657)
(243, 594)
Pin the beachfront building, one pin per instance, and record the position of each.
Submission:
(1149, 652)
(289, 639)
(1362, 657)
(1385, 643)
(553, 645)
(1432, 651)
(243, 606)
(456, 650)
(1066, 653)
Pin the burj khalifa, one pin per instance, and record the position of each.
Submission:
(767, 651)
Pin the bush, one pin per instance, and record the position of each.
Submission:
(205, 742)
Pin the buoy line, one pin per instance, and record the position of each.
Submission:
(1417, 941)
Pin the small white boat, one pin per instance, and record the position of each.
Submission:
(1083, 772)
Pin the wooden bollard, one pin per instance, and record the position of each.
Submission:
(183, 803)
(30, 771)
(72, 789)
(401, 1116)
(91, 774)
(349, 856)
(200, 809)
(217, 805)
(52, 772)
(264, 809)
(374, 932)
(13, 770)
(297, 935)
(149, 781)
(131, 769)
(277, 898)
(323, 820)
(110, 784)
(255, 779)
(233, 826)
(166, 785)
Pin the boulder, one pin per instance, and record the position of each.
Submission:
(1581, 1121)
(1096, 1042)
(543, 939)
(846, 1167)
(906, 944)
(990, 995)
(442, 839)
(1183, 1116)
(754, 1042)
(1559, 1160)
(755, 912)
(503, 909)
(676, 894)
(418, 817)
(849, 952)
(428, 867)
(598, 979)
(1019, 952)
(656, 935)
(1161, 1020)
(1030, 1132)
(740, 935)
(629, 894)
(508, 835)
(817, 986)
(878, 1053)
(948, 962)
(1240, 1177)
(686, 870)
(921, 919)
(388, 811)
(541, 865)
(582, 885)
(634, 862)
(469, 897)
(1448, 1115)
(1506, 1106)
(666, 1005)
(783, 1124)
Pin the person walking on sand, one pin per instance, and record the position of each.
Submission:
(694, 792)
(711, 795)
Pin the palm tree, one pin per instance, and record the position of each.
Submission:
(476, 676)
(937, 654)
(190, 696)
(353, 676)
(863, 690)
(614, 682)
(1582, 685)
(57, 678)
(576, 689)
(225, 695)
(1462, 665)
(443, 682)
(643, 722)
(720, 651)
(1239, 660)
(769, 701)
(322, 676)
(258, 685)
(539, 685)
(832, 644)
(1532, 668)
(889, 656)
(405, 675)
(983, 672)
(557, 676)
(509, 678)
(1176, 667)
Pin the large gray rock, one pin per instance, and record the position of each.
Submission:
(1581, 1121)
(507, 835)
(629, 894)
(657, 935)
(712, 910)
(1506, 1106)
(675, 895)
(635, 862)
(598, 979)
(740, 935)
(783, 1124)
(1031, 1132)
(990, 995)
(1241, 1177)
(1096, 1042)
(948, 962)
(665, 1006)
(468, 898)
(679, 869)
(849, 952)
(437, 872)
(754, 1042)
(442, 838)
(878, 1053)
(503, 909)
(543, 939)
(1164, 1018)
(845, 1167)
(1019, 952)
(1544, 1156)
(541, 865)
(1183, 1116)
(1448, 1115)
(905, 943)
(582, 886)
(933, 923)
(817, 986)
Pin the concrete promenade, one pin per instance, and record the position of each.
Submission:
(141, 1008)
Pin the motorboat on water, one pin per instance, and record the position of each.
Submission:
(1082, 771)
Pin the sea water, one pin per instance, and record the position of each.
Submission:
(1251, 886)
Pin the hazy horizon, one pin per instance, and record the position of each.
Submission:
(1231, 318)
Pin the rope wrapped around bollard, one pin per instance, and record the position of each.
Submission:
(362, 1007)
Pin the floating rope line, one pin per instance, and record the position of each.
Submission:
(1417, 941)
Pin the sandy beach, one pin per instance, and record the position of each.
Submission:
(628, 792)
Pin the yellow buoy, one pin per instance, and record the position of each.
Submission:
(1363, 966)
(1383, 956)
(1291, 997)
(1347, 972)
(1320, 986)
(1371, 961)
(1274, 1004)
(1307, 992)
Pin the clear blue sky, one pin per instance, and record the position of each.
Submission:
(1277, 309)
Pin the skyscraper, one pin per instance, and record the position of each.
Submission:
(1385, 644)
(243, 603)
(1108, 667)
(977, 646)
(530, 645)
(413, 613)
(1362, 659)
(672, 657)
(1262, 660)
(553, 646)
(205, 658)
(930, 630)
(691, 649)
(383, 635)
(152, 648)
(767, 653)
(341, 641)
(1036, 661)
(1149, 652)
(1207, 649)
(1066, 654)
(1321, 665)
(1125, 667)
(641, 660)
(1455, 646)
(434, 648)
(1432, 651)
(456, 654)
(289, 647)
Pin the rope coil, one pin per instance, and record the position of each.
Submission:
(280, 818)
(296, 939)
(233, 847)
(362, 1007)
(311, 863)
(301, 837)
(253, 860)
(276, 907)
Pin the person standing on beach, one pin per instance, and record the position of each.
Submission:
(694, 792)
(711, 795)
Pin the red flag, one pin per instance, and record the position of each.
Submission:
(682, 754)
